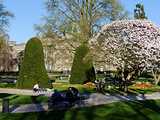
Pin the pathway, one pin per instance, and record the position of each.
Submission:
(21, 92)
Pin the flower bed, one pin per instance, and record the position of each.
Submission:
(142, 85)
(89, 85)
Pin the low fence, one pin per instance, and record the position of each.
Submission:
(8, 77)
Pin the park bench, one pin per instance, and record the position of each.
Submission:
(64, 99)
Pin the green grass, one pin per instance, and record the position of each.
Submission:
(7, 85)
(145, 90)
(64, 86)
(139, 110)
(22, 99)
(144, 79)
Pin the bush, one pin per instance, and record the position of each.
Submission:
(33, 68)
(82, 68)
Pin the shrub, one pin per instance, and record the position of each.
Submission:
(82, 68)
(33, 68)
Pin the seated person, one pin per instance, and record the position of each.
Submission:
(75, 91)
(55, 98)
(72, 94)
(36, 87)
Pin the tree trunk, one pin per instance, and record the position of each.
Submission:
(156, 76)
(125, 87)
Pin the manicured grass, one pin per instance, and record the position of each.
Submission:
(64, 86)
(27, 100)
(144, 79)
(7, 85)
(22, 99)
(145, 90)
(138, 110)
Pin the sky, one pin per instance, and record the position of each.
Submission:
(27, 13)
(30, 12)
(151, 8)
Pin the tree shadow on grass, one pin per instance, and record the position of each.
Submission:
(139, 106)
(82, 114)
(14, 107)
(138, 110)
(3, 95)
(68, 113)
(125, 111)
(150, 104)
(51, 115)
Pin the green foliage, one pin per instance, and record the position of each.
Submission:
(82, 16)
(82, 69)
(33, 68)
(139, 12)
(5, 16)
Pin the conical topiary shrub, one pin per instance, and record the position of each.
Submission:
(82, 68)
(33, 67)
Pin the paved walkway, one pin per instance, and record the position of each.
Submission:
(99, 99)
(22, 92)
(94, 99)
(30, 108)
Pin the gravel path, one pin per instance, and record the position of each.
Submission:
(94, 99)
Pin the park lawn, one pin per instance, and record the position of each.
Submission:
(138, 110)
(154, 88)
(22, 99)
(59, 85)
(7, 85)
(64, 86)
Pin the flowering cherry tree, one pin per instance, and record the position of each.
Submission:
(131, 46)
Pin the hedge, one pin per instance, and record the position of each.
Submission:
(33, 67)
(82, 70)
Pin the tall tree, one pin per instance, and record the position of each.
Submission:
(57, 51)
(82, 69)
(139, 12)
(78, 20)
(5, 15)
(125, 48)
(6, 60)
(82, 16)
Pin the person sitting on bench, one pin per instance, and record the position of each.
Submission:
(72, 95)
(36, 87)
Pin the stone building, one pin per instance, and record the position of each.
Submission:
(58, 55)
